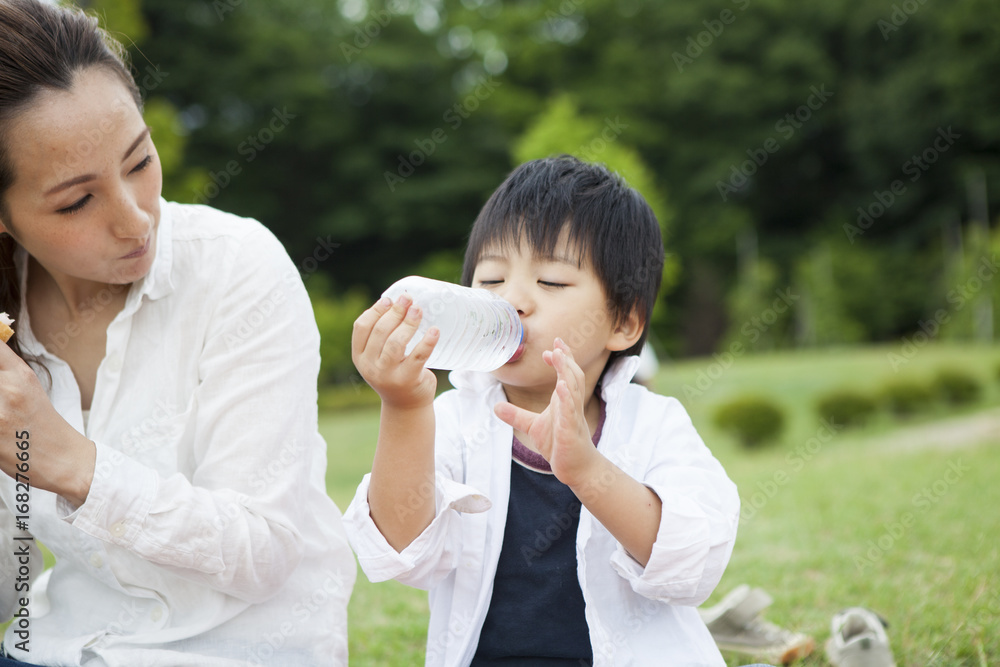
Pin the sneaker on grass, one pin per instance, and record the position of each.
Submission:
(736, 625)
(858, 639)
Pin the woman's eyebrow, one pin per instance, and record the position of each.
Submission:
(135, 144)
(76, 180)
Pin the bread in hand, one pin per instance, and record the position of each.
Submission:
(5, 331)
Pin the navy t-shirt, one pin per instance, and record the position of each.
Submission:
(536, 614)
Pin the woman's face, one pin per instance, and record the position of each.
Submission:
(85, 199)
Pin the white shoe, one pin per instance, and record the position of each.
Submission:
(858, 639)
(736, 624)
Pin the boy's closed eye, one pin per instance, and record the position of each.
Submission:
(543, 283)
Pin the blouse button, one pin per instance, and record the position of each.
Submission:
(118, 529)
(97, 560)
(115, 363)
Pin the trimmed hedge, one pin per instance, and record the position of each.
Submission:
(906, 397)
(753, 420)
(846, 407)
(957, 387)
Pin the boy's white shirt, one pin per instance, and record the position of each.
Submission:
(636, 615)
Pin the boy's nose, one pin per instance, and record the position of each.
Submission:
(518, 297)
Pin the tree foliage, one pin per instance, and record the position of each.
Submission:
(856, 141)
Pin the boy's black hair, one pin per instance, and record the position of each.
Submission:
(609, 224)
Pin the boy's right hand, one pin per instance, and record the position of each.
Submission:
(378, 349)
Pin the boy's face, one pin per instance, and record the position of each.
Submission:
(558, 296)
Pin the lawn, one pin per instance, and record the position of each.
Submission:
(832, 518)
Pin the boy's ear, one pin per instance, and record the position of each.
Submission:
(626, 333)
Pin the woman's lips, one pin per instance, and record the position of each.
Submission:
(140, 251)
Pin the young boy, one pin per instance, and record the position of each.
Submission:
(556, 512)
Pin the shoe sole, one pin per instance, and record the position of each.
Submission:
(798, 652)
(785, 657)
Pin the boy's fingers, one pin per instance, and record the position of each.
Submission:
(422, 350)
(519, 418)
(567, 370)
(386, 324)
(365, 322)
(394, 347)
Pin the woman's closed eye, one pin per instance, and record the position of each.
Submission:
(490, 283)
(549, 283)
(80, 203)
(142, 165)
(76, 206)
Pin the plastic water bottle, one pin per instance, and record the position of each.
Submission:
(479, 330)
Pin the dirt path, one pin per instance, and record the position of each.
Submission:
(952, 433)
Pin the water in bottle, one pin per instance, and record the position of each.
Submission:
(479, 330)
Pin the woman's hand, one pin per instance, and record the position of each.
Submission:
(378, 349)
(59, 458)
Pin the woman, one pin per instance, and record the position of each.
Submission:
(158, 426)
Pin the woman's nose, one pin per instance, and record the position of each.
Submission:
(130, 221)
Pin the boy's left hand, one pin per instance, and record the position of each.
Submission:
(560, 433)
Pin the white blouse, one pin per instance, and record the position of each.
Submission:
(207, 537)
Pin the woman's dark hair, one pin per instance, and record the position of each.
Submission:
(610, 226)
(42, 47)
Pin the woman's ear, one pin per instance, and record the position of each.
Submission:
(627, 332)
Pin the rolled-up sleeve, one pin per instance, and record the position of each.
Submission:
(432, 555)
(698, 520)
